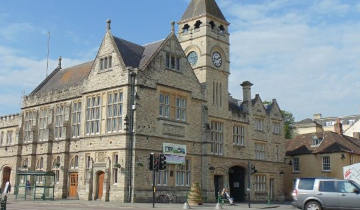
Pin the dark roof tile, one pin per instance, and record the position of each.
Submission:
(202, 7)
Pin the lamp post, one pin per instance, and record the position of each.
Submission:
(129, 127)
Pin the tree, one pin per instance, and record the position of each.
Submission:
(288, 122)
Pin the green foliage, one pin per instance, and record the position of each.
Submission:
(288, 122)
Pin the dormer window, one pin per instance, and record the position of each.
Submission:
(172, 62)
(316, 141)
(105, 63)
(212, 25)
(186, 28)
(197, 24)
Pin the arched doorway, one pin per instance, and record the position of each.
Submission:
(237, 176)
(6, 176)
(99, 184)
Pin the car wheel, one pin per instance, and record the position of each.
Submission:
(313, 205)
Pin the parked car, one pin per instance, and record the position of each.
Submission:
(326, 193)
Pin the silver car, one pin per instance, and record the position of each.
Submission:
(325, 193)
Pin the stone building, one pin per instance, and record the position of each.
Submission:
(95, 124)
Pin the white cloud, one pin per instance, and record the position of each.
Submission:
(20, 74)
(309, 67)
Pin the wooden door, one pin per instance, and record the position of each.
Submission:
(6, 176)
(101, 177)
(73, 185)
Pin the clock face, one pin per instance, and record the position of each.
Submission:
(192, 58)
(216, 58)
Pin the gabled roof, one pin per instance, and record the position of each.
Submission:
(61, 79)
(135, 55)
(331, 142)
(199, 8)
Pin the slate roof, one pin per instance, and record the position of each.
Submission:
(202, 7)
(332, 142)
(234, 106)
(64, 78)
(133, 55)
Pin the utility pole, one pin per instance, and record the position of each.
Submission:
(48, 53)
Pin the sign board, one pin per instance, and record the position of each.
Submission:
(174, 159)
(352, 172)
(174, 149)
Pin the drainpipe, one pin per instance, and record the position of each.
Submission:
(131, 108)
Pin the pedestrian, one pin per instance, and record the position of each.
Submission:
(226, 194)
(9, 188)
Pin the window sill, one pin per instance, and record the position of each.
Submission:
(326, 171)
(239, 145)
(296, 172)
(104, 71)
(171, 120)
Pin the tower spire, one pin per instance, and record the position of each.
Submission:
(198, 8)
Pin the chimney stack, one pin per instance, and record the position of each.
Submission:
(247, 95)
(317, 116)
(246, 91)
(338, 127)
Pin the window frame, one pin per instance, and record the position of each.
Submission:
(217, 138)
(260, 151)
(183, 174)
(173, 62)
(76, 112)
(326, 165)
(239, 135)
(112, 117)
(259, 124)
(59, 119)
(296, 164)
(105, 63)
(93, 115)
(260, 182)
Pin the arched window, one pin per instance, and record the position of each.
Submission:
(186, 28)
(197, 24)
(222, 29)
(74, 162)
(56, 168)
(212, 25)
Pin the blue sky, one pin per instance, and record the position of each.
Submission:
(305, 53)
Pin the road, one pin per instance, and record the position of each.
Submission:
(97, 205)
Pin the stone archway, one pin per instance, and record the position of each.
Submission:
(100, 176)
(6, 172)
(237, 176)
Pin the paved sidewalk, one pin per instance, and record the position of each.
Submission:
(98, 205)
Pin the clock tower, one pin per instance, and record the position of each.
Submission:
(203, 34)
